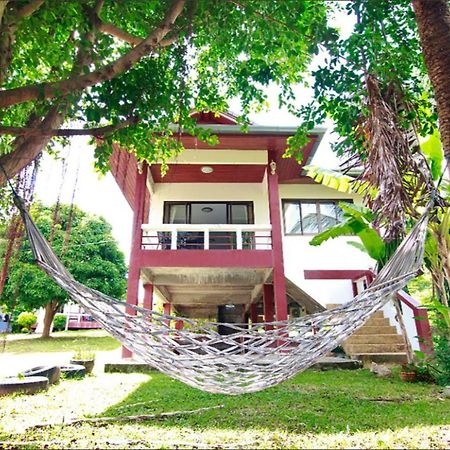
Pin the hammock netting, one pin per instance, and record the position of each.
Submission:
(247, 358)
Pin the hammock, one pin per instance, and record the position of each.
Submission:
(248, 358)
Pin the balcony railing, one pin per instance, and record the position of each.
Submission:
(206, 237)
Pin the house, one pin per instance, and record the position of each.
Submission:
(224, 236)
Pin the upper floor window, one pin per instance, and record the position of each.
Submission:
(208, 212)
(310, 216)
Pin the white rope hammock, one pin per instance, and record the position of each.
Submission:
(253, 357)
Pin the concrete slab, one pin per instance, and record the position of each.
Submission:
(326, 363)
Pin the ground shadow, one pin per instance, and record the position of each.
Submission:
(326, 402)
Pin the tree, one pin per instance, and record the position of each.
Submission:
(433, 23)
(127, 70)
(86, 247)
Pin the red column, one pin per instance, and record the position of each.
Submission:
(268, 305)
(167, 310)
(254, 313)
(140, 193)
(279, 282)
(148, 296)
(179, 324)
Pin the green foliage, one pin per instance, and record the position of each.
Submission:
(224, 50)
(91, 255)
(432, 148)
(384, 43)
(59, 322)
(357, 222)
(83, 355)
(26, 320)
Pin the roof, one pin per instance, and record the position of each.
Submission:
(231, 136)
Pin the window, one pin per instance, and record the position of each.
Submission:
(310, 216)
(208, 212)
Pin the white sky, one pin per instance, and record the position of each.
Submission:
(100, 194)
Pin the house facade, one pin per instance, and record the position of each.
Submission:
(224, 236)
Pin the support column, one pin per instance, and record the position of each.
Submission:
(268, 305)
(167, 309)
(134, 271)
(148, 296)
(254, 313)
(279, 281)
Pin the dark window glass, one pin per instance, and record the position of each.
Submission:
(310, 216)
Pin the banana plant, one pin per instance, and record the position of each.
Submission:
(357, 222)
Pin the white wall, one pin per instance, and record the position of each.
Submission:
(335, 254)
(254, 192)
(298, 254)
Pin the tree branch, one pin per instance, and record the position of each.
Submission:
(51, 90)
(8, 31)
(109, 28)
(98, 131)
(100, 420)
(3, 4)
(29, 8)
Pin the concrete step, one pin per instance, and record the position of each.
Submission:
(375, 339)
(378, 322)
(354, 349)
(381, 358)
(368, 329)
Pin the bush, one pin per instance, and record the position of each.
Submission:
(59, 322)
(26, 319)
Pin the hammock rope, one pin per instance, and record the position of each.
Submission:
(247, 358)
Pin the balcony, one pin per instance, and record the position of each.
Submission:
(206, 237)
(206, 245)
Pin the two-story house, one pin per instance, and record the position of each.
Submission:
(224, 236)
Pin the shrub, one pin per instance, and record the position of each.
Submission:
(59, 322)
(26, 320)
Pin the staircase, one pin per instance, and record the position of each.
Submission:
(376, 341)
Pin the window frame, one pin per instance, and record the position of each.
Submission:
(187, 204)
(317, 202)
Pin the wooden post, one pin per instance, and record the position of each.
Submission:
(279, 281)
(139, 208)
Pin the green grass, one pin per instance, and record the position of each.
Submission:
(338, 409)
(63, 341)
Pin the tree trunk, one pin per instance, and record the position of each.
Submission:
(433, 22)
(50, 311)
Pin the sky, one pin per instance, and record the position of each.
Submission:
(100, 194)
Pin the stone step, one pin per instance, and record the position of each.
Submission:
(378, 322)
(354, 349)
(375, 339)
(367, 329)
(381, 358)
(375, 315)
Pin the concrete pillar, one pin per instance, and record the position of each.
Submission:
(268, 305)
(279, 281)
(148, 296)
(254, 313)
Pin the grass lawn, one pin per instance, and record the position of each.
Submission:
(338, 409)
(61, 341)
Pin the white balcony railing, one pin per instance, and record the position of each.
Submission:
(206, 237)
